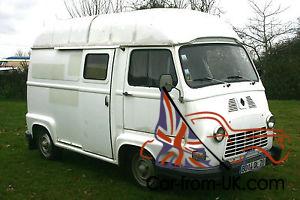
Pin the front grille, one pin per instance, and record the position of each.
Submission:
(232, 105)
(250, 102)
(236, 143)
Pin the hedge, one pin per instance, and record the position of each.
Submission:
(281, 76)
(13, 84)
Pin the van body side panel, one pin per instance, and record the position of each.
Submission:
(47, 94)
(72, 108)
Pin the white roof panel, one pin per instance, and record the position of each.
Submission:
(71, 32)
(144, 27)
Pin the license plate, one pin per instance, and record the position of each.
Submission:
(254, 165)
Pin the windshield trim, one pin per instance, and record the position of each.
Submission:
(214, 82)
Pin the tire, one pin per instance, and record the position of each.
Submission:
(142, 170)
(46, 147)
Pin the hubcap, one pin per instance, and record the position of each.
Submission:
(142, 169)
(45, 145)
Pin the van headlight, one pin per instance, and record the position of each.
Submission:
(219, 134)
(271, 121)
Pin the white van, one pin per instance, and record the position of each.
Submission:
(94, 88)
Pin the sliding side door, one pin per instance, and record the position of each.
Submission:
(94, 101)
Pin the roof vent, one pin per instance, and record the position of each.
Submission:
(232, 106)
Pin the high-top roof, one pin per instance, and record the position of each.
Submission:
(144, 27)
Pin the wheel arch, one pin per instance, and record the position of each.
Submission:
(127, 149)
(130, 141)
(37, 122)
(37, 128)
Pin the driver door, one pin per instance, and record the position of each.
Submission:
(141, 89)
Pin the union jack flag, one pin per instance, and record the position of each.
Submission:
(178, 140)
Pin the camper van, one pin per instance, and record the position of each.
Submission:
(94, 87)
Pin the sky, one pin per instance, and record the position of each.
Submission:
(22, 20)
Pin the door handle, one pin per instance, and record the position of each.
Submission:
(106, 100)
(126, 94)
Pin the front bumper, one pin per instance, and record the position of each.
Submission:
(215, 172)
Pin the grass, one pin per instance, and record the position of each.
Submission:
(24, 175)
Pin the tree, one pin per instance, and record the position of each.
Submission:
(23, 64)
(298, 28)
(264, 29)
(208, 6)
(81, 8)
(283, 71)
(147, 4)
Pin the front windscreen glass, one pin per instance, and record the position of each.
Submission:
(209, 64)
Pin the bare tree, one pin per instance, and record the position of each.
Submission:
(20, 53)
(81, 8)
(264, 29)
(298, 27)
(179, 4)
(23, 63)
(147, 4)
(208, 6)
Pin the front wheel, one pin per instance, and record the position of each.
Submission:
(46, 146)
(143, 170)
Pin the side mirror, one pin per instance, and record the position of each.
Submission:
(166, 81)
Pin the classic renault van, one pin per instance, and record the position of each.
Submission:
(94, 88)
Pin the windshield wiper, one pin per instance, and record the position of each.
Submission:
(212, 79)
(241, 77)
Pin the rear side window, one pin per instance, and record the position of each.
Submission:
(146, 67)
(95, 66)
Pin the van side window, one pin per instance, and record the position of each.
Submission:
(95, 66)
(147, 65)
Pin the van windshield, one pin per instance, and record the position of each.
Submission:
(209, 64)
